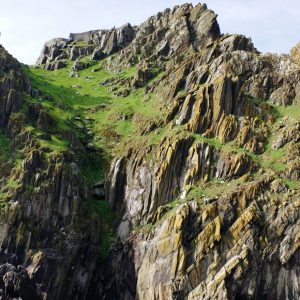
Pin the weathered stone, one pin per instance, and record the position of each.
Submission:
(44, 121)
(142, 77)
(15, 282)
(193, 218)
(98, 54)
(51, 50)
(78, 65)
(295, 54)
(99, 190)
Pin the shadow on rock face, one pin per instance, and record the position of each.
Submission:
(119, 275)
(15, 283)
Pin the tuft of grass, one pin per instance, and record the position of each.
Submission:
(94, 169)
(55, 144)
(274, 159)
(11, 183)
(292, 111)
(101, 210)
(292, 184)
(4, 146)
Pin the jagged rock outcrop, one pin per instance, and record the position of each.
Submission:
(55, 65)
(147, 185)
(51, 50)
(170, 33)
(12, 84)
(218, 248)
(98, 43)
(42, 203)
(295, 54)
(221, 251)
(15, 283)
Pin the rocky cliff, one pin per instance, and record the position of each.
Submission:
(159, 161)
(43, 214)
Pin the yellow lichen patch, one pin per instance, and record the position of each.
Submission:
(168, 245)
(208, 211)
(227, 128)
(170, 237)
(206, 239)
(207, 289)
(250, 213)
(193, 156)
(219, 88)
(199, 117)
(243, 134)
(241, 204)
(179, 262)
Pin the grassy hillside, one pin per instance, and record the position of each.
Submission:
(88, 105)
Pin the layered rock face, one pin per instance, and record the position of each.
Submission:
(172, 32)
(42, 230)
(99, 43)
(205, 196)
(226, 246)
(12, 84)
